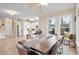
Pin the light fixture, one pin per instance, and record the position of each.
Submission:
(11, 12)
(43, 4)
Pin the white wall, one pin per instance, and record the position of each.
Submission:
(77, 28)
(8, 27)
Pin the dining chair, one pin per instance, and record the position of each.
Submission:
(60, 46)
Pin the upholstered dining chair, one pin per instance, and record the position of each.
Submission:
(21, 50)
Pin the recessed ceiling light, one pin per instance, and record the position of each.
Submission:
(11, 12)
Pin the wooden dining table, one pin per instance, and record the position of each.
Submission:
(42, 44)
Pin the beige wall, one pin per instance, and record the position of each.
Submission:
(62, 12)
(43, 24)
(14, 28)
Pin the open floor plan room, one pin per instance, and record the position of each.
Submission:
(39, 29)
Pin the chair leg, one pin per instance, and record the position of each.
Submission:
(69, 42)
(60, 50)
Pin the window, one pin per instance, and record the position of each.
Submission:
(51, 26)
(65, 25)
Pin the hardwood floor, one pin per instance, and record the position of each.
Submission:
(69, 50)
(8, 47)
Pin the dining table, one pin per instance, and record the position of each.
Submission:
(42, 44)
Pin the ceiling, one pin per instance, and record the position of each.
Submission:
(32, 9)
